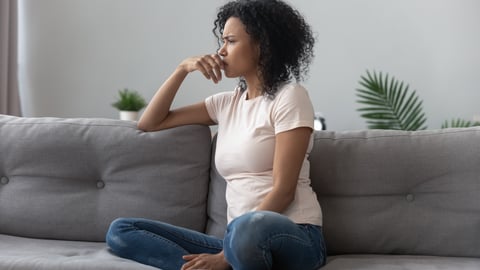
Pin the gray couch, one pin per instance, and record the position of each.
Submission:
(391, 199)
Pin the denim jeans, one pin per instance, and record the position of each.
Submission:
(256, 240)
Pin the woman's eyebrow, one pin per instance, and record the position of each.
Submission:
(228, 36)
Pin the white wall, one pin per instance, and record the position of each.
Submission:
(76, 54)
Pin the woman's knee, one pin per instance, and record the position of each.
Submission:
(246, 234)
(115, 237)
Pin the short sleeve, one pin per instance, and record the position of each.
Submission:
(293, 109)
(216, 103)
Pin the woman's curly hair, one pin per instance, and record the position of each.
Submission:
(285, 40)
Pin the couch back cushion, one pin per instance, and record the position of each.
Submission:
(69, 178)
(399, 192)
(217, 203)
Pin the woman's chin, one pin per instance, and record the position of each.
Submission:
(229, 74)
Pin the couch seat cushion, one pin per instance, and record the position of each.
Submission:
(400, 262)
(18, 253)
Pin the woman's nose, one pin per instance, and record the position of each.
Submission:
(222, 51)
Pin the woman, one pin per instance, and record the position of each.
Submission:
(264, 137)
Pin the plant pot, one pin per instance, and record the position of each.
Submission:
(129, 115)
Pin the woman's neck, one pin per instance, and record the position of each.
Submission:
(254, 87)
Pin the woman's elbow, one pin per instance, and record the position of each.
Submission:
(143, 126)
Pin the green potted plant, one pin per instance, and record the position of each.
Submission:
(129, 103)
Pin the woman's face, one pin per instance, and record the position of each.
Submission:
(239, 52)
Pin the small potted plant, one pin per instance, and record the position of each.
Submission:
(129, 103)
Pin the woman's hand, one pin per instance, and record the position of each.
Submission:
(210, 65)
(205, 262)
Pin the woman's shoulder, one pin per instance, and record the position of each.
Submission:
(291, 96)
(291, 90)
(292, 108)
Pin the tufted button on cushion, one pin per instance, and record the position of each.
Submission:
(410, 198)
(4, 180)
(100, 184)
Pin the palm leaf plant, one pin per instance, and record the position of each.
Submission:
(459, 123)
(389, 104)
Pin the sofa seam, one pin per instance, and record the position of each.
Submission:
(399, 135)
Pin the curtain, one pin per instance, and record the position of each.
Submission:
(9, 96)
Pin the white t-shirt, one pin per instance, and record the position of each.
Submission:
(246, 143)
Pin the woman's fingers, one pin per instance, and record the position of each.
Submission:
(190, 257)
(210, 66)
(192, 262)
(219, 65)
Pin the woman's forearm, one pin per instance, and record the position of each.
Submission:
(159, 107)
(276, 201)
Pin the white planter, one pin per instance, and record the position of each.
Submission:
(129, 115)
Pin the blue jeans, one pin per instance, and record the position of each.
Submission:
(256, 240)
